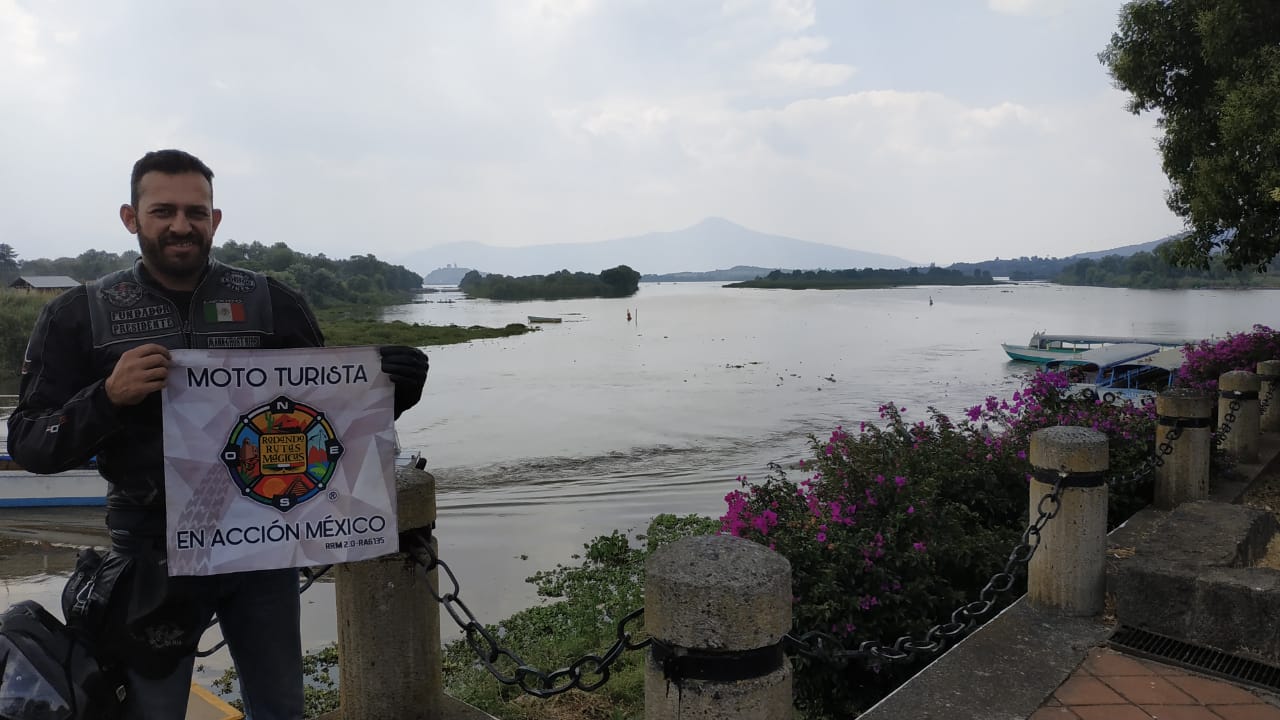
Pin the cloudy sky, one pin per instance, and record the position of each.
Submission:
(936, 130)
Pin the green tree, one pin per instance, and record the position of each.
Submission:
(8, 263)
(1211, 69)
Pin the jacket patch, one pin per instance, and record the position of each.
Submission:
(220, 311)
(122, 294)
(235, 341)
(145, 312)
(142, 326)
(238, 281)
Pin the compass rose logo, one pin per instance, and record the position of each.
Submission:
(282, 453)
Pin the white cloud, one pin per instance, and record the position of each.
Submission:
(19, 36)
(786, 15)
(1028, 7)
(791, 63)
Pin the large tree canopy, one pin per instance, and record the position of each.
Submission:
(1211, 68)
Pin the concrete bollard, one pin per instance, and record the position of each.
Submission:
(1269, 389)
(1241, 442)
(717, 607)
(389, 658)
(1067, 573)
(1184, 476)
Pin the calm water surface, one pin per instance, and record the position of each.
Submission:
(540, 442)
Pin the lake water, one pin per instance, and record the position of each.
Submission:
(542, 441)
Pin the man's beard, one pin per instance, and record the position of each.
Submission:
(158, 263)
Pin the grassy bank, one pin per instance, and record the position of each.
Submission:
(18, 312)
(360, 325)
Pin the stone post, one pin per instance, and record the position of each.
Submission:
(1240, 386)
(1184, 476)
(717, 607)
(389, 659)
(1067, 573)
(1269, 389)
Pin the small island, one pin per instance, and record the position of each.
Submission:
(866, 279)
(620, 281)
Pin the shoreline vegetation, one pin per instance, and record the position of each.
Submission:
(616, 282)
(866, 279)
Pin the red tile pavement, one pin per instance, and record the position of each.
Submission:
(1112, 686)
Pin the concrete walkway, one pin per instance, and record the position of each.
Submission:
(1112, 686)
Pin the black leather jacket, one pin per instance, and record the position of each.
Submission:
(64, 418)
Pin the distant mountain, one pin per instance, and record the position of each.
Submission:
(733, 274)
(445, 275)
(1124, 251)
(712, 243)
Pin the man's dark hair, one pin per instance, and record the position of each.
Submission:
(169, 162)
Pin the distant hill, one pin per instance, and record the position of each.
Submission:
(1124, 251)
(733, 274)
(712, 243)
(450, 275)
(1047, 268)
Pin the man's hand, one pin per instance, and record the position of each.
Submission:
(139, 372)
(407, 367)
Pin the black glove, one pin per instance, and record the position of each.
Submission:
(407, 367)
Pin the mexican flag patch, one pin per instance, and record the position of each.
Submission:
(218, 312)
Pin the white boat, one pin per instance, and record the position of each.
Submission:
(1043, 348)
(1115, 396)
(76, 487)
(81, 486)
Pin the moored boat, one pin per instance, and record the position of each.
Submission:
(544, 319)
(1044, 348)
(1124, 370)
(75, 487)
(80, 486)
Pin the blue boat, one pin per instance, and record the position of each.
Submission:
(1122, 372)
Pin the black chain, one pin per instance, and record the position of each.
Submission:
(1150, 464)
(825, 647)
(309, 577)
(531, 680)
(1266, 399)
(1224, 427)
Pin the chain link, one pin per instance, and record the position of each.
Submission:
(1224, 427)
(1266, 399)
(587, 673)
(825, 647)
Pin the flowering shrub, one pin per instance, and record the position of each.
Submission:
(1206, 361)
(1130, 431)
(893, 527)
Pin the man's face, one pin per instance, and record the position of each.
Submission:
(175, 221)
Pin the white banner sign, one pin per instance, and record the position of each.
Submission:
(277, 459)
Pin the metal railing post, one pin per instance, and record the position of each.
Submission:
(717, 607)
(389, 656)
(1183, 424)
(1067, 573)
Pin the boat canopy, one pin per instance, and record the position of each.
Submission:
(1107, 356)
(1045, 339)
(1168, 359)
